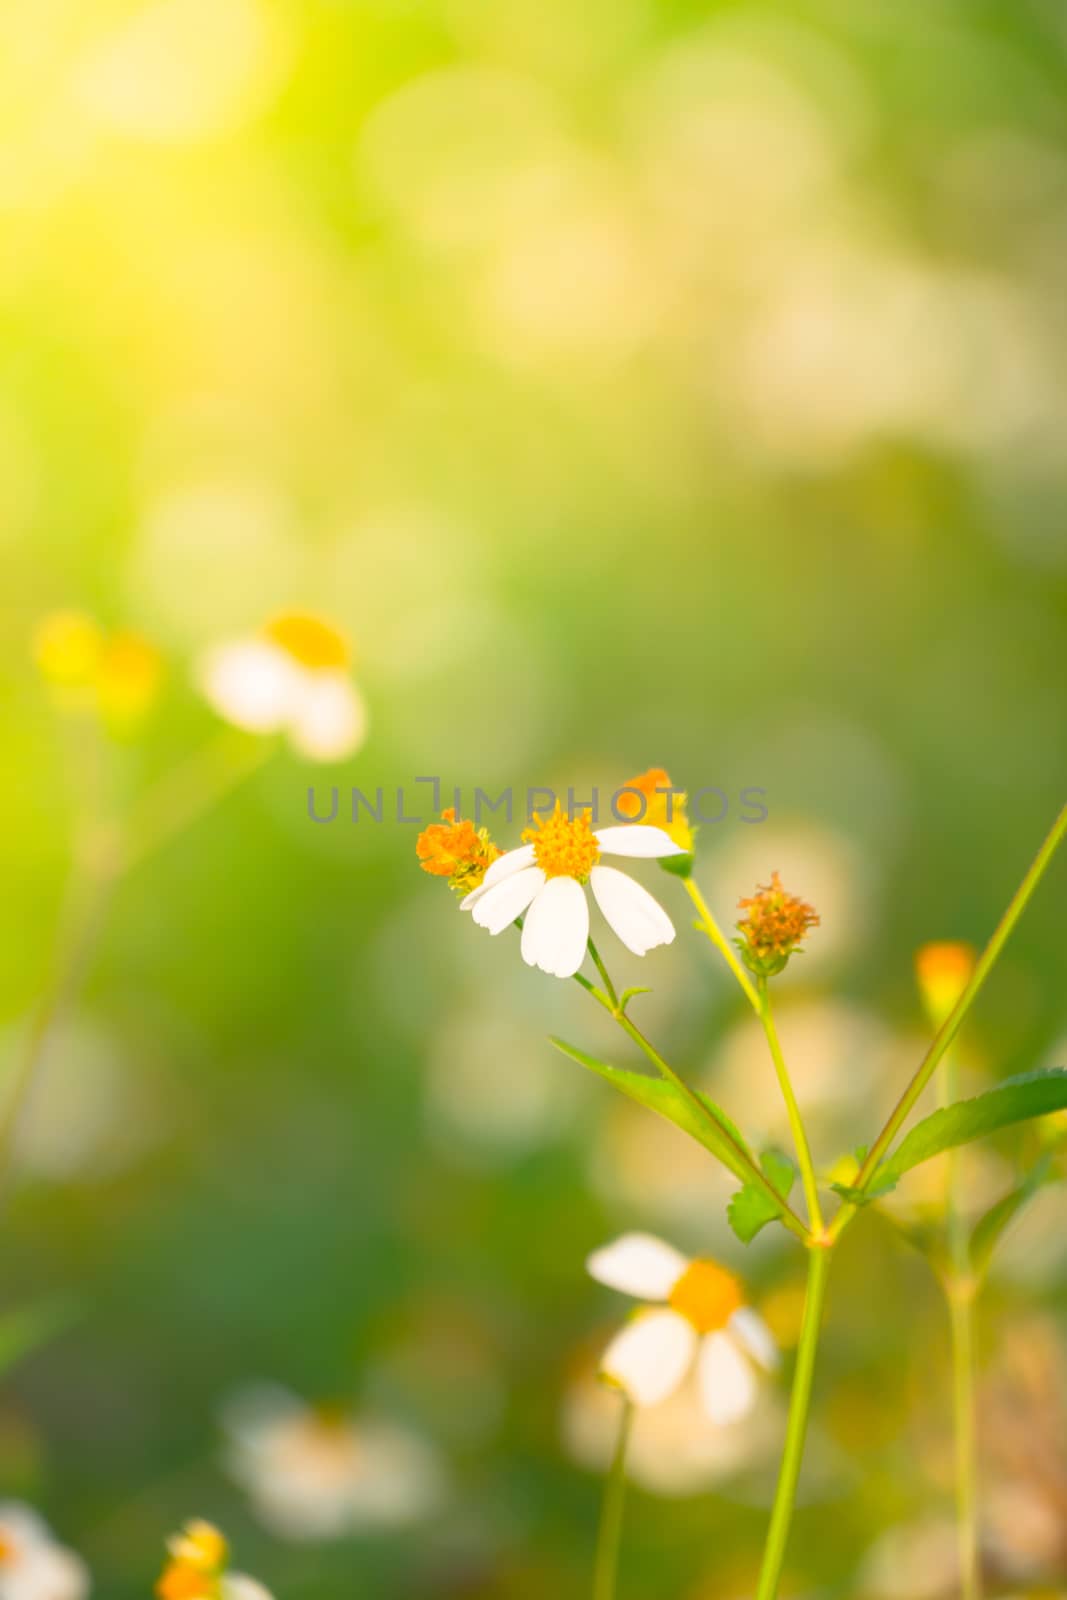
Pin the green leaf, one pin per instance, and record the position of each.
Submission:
(661, 1096)
(1032, 1094)
(990, 1229)
(23, 1330)
(751, 1208)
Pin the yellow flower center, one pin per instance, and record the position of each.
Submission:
(7, 1550)
(706, 1295)
(199, 1545)
(564, 847)
(309, 640)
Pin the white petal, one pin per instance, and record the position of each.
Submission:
(637, 919)
(511, 861)
(329, 719)
(556, 930)
(651, 1356)
(638, 1264)
(237, 1587)
(727, 1384)
(754, 1336)
(505, 901)
(638, 840)
(251, 683)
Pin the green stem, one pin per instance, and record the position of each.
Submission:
(954, 1021)
(796, 1121)
(190, 790)
(750, 1172)
(796, 1430)
(610, 1535)
(602, 969)
(961, 1293)
(90, 883)
(961, 1307)
(721, 943)
(754, 1173)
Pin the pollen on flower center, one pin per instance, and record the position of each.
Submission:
(564, 847)
(309, 640)
(706, 1295)
(7, 1550)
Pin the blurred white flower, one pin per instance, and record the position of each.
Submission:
(675, 1448)
(545, 880)
(179, 70)
(292, 677)
(32, 1565)
(700, 1320)
(915, 1561)
(318, 1474)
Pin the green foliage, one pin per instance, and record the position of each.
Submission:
(27, 1328)
(662, 1097)
(990, 1229)
(1031, 1094)
(751, 1208)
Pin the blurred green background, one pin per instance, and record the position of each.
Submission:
(638, 384)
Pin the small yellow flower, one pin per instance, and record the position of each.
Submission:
(457, 851)
(128, 677)
(118, 674)
(652, 804)
(197, 1568)
(200, 1545)
(67, 646)
(943, 971)
(776, 924)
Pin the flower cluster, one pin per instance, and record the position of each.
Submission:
(198, 1568)
(651, 798)
(544, 881)
(776, 924)
(457, 851)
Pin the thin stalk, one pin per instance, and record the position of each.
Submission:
(610, 1534)
(961, 1308)
(101, 856)
(796, 1121)
(753, 1173)
(90, 883)
(190, 790)
(961, 1292)
(721, 943)
(797, 1427)
(954, 1021)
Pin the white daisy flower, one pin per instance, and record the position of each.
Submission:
(312, 1473)
(699, 1319)
(545, 880)
(293, 677)
(32, 1565)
